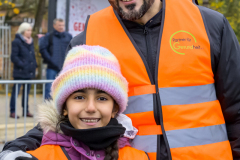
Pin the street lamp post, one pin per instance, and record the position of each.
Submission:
(51, 13)
(67, 14)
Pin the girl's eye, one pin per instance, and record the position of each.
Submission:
(102, 99)
(79, 97)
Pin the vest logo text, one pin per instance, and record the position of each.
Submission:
(182, 42)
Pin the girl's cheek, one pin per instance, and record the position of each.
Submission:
(74, 111)
(107, 116)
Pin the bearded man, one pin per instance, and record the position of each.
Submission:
(182, 62)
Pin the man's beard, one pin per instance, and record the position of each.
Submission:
(132, 14)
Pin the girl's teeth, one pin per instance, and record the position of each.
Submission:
(90, 120)
(126, 0)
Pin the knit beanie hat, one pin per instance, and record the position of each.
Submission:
(90, 67)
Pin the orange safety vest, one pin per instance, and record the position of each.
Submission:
(180, 102)
(55, 152)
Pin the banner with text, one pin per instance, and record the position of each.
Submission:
(78, 12)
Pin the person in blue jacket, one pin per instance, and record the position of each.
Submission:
(52, 48)
(24, 61)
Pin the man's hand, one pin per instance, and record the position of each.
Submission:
(17, 155)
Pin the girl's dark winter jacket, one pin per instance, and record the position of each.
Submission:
(23, 58)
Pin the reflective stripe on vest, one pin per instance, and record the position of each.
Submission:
(184, 138)
(141, 103)
(197, 136)
(146, 143)
(173, 96)
(192, 117)
(187, 95)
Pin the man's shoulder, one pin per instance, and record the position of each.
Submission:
(48, 34)
(80, 39)
(213, 19)
(67, 34)
(45, 38)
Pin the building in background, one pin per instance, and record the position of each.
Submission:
(74, 12)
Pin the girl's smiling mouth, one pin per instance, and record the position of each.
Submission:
(90, 121)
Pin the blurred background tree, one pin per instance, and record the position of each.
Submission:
(229, 8)
(14, 8)
(15, 11)
(32, 8)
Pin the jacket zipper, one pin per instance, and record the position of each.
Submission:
(159, 111)
(155, 108)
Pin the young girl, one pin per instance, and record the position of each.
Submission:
(81, 123)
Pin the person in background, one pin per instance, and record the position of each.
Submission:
(52, 48)
(25, 64)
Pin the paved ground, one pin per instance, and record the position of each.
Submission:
(4, 117)
(5, 109)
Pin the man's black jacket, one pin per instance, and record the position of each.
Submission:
(52, 48)
(225, 58)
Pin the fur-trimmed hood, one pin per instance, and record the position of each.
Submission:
(48, 117)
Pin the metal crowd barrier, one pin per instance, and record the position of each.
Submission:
(23, 82)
